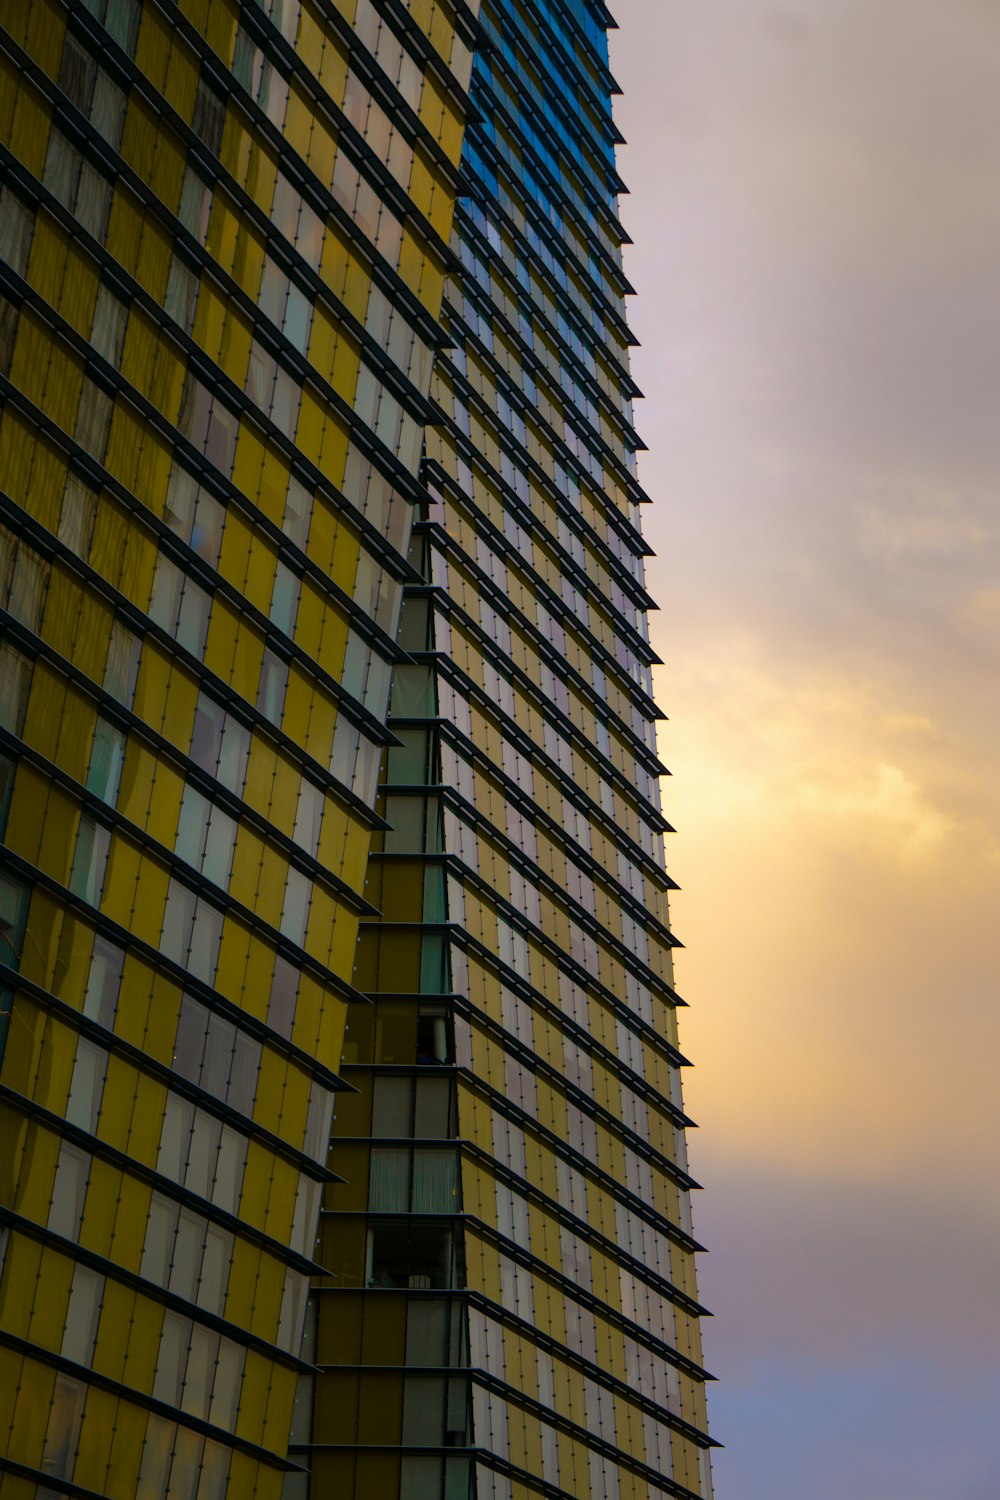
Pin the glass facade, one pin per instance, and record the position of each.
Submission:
(223, 235)
(510, 1307)
(328, 782)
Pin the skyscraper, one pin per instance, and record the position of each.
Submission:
(237, 420)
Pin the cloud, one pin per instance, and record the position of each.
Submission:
(818, 264)
(928, 524)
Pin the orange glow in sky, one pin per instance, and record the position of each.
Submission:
(817, 263)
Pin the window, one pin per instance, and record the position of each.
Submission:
(101, 999)
(421, 1181)
(63, 1432)
(15, 896)
(405, 1106)
(69, 1191)
(80, 1331)
(87, 1087)
(284, 993)
(90, 860)
(106, 758)
(15, 681)
(415, 1254)
(273, 684)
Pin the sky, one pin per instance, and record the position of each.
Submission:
(815, 205)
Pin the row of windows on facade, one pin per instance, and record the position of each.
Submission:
(525, 56)
(389, 1118)
(493, 549)
(205, 836)
(174, 1459)
(221, 739)
(366, 489)
(184, 1251)
(638, 1175)
(574, 1051)
(97, 94)
(422, 692)
(565, 1057)
(577, 680)
(647, 1242)
(567, 458)
(437, 1411)
(196, 1369)
(511, 341)
(203, 519)
(401, 1176)
(471, 841)
(206, 839)
(71, 178)
(423, 1256)
(196, 1149)
(571, 1191)
(483, 217)
(592, 534)
(562, 582)
(209, 1050)
(492, 80)
(560, 393)
(548, 1032)
(569, 718)
(192, 927)
(420, 826)
(208, 422)
(191, 932)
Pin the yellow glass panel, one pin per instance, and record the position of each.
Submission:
(247, 658)
(285, 794)
(116, 1103)
(298, 121)
(311, 421)
(149, 1104)
(233, 959)
(220, 648)
(333, 457)
(98, 1434)
(76, 734)
(209, 320)
(247, 862)
(345, 557)
(152, 684)
(29, 136)
(115, 1328)
(346, 365)
(234, 351)
(100, 1208)
(182, 703)
(44, 27)
(55, 854)
(161, 1027)
(136, 788)
(180, 83)
(249, 459)
(121, 881)
(164, 811)
(281, 1202)
(270, 892)
(261, 564)
(152, 51)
